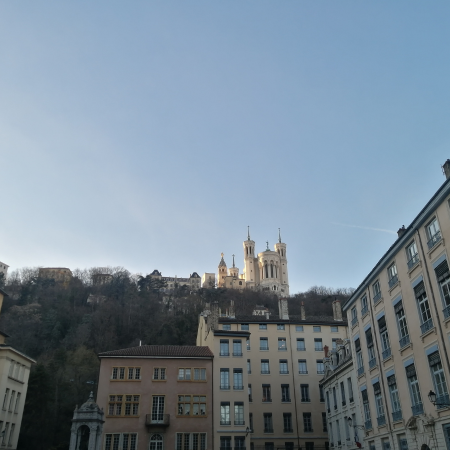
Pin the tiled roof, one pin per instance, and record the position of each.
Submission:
(175, 351)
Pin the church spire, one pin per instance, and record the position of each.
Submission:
(248, 232)
(279, 236)
(233, 261)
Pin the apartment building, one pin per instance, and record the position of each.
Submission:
(399, 318)
(344, 417)
(156, 397)
(267, 374)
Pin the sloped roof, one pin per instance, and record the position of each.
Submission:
(163, 351)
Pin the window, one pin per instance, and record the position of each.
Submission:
(376, 289)
(5, 433)
(309, 445)
(126, 441)
(191, 441)
(328, 401)
(338, 429)
(334, 329)
(395, 399)
(324, 422)
(184, 374)
(250, 397)
(191, 405)
(304, 392)
(366, 408)
(347, 428)
(250, 420)
(268, 424)
(414, 390)
(344, 402)
(239, 413)
(438, 376)
(123, 405)
(225, 443)
(307, 423)
(335, 398)
(237, 379)
(392, 275)
(225, 413)
(280, 326)
(268, 446)
(320, 367)
(239, 442)
(237, 347)
(384, 338)
(301, 345)
(224, 378)
(226, 327)
(249, 367)
(265, 366)
(334, 344)
(318, 347)
(118, 373)
(158, 408)
(379, 404)
(248, 343)
(299, 328)
(282, 344)
(321, 396)
(199, 374)
(412, 255)
(402, 442)
(267, 396)
(5, 399)
(302, 369)
(16, 407)
(159, 373)
(284, 366)
(424, 308)
(287, 422)
(370, 349)
(401, 324)
(11, 401)
(443, 277)
(359, 358)
(263, 326)
(433, 233)
(285, 393)
(11, 433)
(244, 327)
(263, 343)
(317, 329)
(11, 368)
(224, 347)
(364, 306)
(134, 373)
(350, 390)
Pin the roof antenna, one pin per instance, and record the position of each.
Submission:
(248, 232)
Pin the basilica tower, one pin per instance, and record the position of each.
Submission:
(251, 273)
(222, 272)
(280, 248)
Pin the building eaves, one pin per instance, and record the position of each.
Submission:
(231, 333)
(295, 320)
(401, 241)
(163, 351)
(4, 293)
(8, 347)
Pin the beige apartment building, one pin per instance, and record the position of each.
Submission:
(399, 318)
(266, 378)
(156, 397)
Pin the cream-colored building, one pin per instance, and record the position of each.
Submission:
(4, 269)
(399, 318)
(266, 271)
(193, 282)
(61, 275)
(266, 378)
(14, 372)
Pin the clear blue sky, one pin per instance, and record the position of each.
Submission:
(149, 134)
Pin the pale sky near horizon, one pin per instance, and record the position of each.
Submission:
(149, 134)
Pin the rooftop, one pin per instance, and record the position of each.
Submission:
(163, 351)
(292, 319)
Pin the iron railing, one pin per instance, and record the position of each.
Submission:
(417, 409)
(377, 297)
(426, 326)
(413, 261)
(397, 415)
(386, 353)
(434, 240)
(404, 341)
(393, 281)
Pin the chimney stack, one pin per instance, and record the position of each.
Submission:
(302, 311)
(401, 231)
(283, 312)
(337, 310)
(446, 169)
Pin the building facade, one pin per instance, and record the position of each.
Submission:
(4, 269)
(193, 282)
(341, 397)
(266, 271)
(61, 275)
(399, 329)
(267, 374)
(156, 397)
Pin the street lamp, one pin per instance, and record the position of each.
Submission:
(350, 424)
(432, 397)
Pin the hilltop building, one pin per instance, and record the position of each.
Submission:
(4, 269)
(266, 271)
(193, 282)
(399, 317)
(61, 275)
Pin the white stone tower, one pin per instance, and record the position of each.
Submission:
(251, 272)
(280, 248)
(222, 272)
(234, 271)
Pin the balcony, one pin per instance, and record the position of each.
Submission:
(284, 372)
(446, 312)
(434, 240)
(426, 326)
(386, 353)
(157, 420)
(393, 281)
(225, 387)
(364, 310)
(225, 422)
(397, 415)
(320, 372)
(268, 429)
(417, 409)
(264, 348)
(413, 261)
(368, 424)
(360, 371)
(377, 298)
(381, 420)
(239, 422)
(306, 400)
(238, 387)
(224, 354)
(237, 353)
(285, 399)
(442, 401)
(404, 341)
(267, 399)
(265, 371)
(282, 349)
(354, 321)
(303, 372)
(372, 363)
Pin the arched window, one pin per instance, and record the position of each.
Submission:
(240, 283)
(156, 442)
(267, 270)
(271, 270)
(83, 437)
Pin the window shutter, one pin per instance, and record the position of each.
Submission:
(391, 380)
(357, 345)
(376, 388)
(411, 371)
(434, 359)
(419, 289)
(398, 307)
(442, 271)
(382, 324)
(364, 396)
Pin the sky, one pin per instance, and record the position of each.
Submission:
(150, 134)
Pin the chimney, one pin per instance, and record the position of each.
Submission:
(401, 231)
(325, 349)
(446, 169)
(283, 309)
(302, 311)
(337, 311)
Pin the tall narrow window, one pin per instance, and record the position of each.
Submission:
(237, 347)
(302, 368)
(384, 337)
(335, 398)
(307, 423)
(338, 429)
(439, 382)
(287, 422)
(263, 343)
(284, 367)
(344, 402)
(433, 233)
(381, 419)
(301, 345)
(395, 399)
(350, 390)
(392, 275)
(158, 409)
(354, 316)
(304, 391)
(265, 366)
(414, 390)
(268, 424)
(238, 380)
(250, 397)
(249, 367)
(282, 344)
(320, 366)
(225, 413)
(364, 307)
(224, 347)
(267, 396)
(321, 395)
(401, 324)
(443, 276)
(239, 413)
(324, 422)
(359, 357)
(224, 378)
(424, 308)
(376, 289)
(370, 348)
(318, 347)
(285, 393)
(412, 255)
(366, 408)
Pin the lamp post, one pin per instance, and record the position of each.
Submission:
(432, 397)
(350, 424)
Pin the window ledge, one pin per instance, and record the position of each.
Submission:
(362, 375)
(388, 359)
(394, 286)
(355, 324)
(374, 367)
(430, 331)
(414, 267)
(21, 382)
(365, 314)
(435, 246)
(380, 300)
(406, 347)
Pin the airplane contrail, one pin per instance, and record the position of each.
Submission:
(364, 228)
